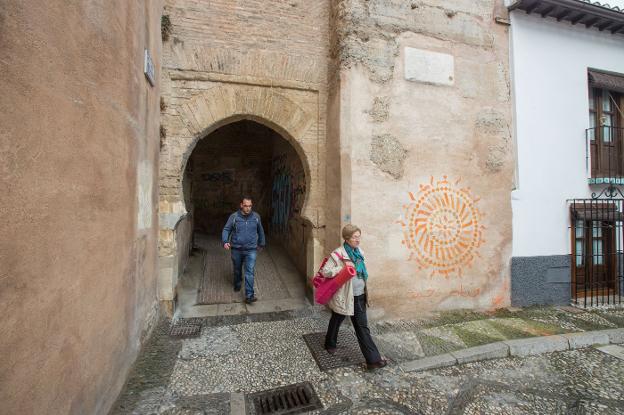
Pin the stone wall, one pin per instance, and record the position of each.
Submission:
(78, 144)
(227, 61)
(426, 166)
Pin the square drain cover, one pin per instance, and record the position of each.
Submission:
(184, 328)
(347, 353)
(293, 399)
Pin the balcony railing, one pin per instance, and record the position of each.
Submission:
(605, 154)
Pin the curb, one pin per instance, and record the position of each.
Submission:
(237, 404)
(519, 347)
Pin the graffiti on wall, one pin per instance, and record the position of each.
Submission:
(288, 192)
(224, 176)
(442, 227)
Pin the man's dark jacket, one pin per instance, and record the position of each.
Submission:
(244, 231)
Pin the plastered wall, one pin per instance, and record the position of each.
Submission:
(78, 177)
(423, 132)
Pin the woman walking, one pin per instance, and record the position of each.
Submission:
(350, 299)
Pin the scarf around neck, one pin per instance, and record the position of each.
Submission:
(358, 260)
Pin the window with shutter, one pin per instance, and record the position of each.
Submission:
(605, 136)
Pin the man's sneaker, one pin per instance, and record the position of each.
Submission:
(251, 300)
(237, 289)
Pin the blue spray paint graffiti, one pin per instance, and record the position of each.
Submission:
(282, 190)
(287, 193)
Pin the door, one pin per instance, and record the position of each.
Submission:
(595, 257)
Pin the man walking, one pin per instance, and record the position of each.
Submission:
(243, 235)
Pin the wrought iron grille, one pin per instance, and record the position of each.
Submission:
(597, 227)
(605, 153)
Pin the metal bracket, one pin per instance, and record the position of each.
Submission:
(610, 192)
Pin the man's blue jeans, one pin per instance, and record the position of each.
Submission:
(248, 258)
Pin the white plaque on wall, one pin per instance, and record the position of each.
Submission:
(429, 67)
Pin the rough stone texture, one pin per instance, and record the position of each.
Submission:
(220, 341)
(540, 280)
(147, 381)
(580, 340)
(79, 137)
(266, 355)
(492, 131)
(528, 347)
(551, 383)
(488, 351)
(388, 154)
(380, 111)
(369, 33)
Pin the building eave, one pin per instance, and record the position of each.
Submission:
(582, 12)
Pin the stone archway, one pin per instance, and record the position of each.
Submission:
(202, 114)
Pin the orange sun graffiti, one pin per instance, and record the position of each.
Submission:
(442, 228)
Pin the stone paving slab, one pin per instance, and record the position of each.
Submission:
(537, 345)
(428, 363)
(518, 347)
(488, 351)
(269, 306)
(201, 311)
(586, 339)
(616, 336)
(613, 350)
(237, 404)
(231, 309)
(553, 383)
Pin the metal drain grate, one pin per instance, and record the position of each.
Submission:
(191, 321)
(347, 354)
(292, 399)
(184, 328)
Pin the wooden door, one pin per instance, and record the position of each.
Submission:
(595, 257)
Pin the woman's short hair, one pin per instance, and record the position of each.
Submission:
(349, 230)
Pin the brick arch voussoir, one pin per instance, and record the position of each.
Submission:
(222, 105)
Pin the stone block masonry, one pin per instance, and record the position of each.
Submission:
(226, 62)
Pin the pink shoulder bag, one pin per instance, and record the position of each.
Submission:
(325, 288)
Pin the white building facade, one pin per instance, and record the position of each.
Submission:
(567, 60)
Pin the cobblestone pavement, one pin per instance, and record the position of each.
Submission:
(250, 353)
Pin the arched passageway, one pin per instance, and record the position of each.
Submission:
(244, 158)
